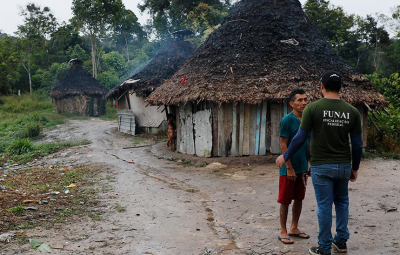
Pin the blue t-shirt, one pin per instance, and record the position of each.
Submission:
(289, 126)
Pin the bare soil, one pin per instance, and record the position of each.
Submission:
(182, 204)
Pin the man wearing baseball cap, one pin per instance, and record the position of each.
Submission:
(331, 121)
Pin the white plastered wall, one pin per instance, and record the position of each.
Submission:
(145, 114)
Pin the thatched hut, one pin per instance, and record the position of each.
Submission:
(78, 93)
(131, 94)
(238, 82)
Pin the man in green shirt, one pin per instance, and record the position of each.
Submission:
(331, 121)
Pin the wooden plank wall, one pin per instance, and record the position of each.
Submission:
(276, 116)
(225, 116)
(230, 130)
(241, 128)
(202, 122)
(246, 130)
(235, 131)
(263, 130)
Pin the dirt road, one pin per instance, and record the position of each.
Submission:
(175, 204)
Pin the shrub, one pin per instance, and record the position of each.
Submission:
(33, 129)
(20, 146)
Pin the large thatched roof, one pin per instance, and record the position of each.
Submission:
(76, 82)
(167, 61)
(262, 51)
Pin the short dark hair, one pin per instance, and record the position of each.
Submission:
(295, 92)
(332, 81)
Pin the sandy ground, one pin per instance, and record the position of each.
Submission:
(175, 207)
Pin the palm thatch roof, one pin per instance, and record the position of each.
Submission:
(167, 61)
(263, 50)
(76, 82)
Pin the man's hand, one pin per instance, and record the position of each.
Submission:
(353, 176)
(291, 174)
(280, 161)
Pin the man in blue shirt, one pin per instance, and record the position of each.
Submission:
(293, 177)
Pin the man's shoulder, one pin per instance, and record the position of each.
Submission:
(288, 118)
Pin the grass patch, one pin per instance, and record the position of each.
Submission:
(16, 210)
(120, 208)
(137, 140)
(23, 118)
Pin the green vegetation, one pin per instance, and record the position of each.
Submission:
(16, 210)
(120, 208)
(22, 119)
(384, 132)
(111, 113)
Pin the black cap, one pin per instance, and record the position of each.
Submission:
(331, 77)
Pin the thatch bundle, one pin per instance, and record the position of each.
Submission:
(77, 82)
(263, 50)
(167, 61)
(79, 93)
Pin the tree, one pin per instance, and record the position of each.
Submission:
(170, 15)
(204, 17)
(372, 37)
(332, 22)
(126, 30)
(38, 25)
(9, 62)
(93, 18)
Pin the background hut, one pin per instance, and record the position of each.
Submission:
(238, 82)
(78, 93)
(131, 94)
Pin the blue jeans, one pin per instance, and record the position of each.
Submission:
(331, 186)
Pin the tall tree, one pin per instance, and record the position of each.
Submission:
(94, 17)
(38, 25)
(170, 15)
(331, 21)
(9, 62)
(127, 29)
(373, 38)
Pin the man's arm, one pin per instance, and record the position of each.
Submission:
(294, 146)
(356, 152)
(291, 174)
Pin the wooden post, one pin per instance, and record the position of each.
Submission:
(189, 129)
(241, 126)
(234, 149)
(215, 129)
(253, 126)
(182, 120)
(263, 130)
(246, 130)
(178, 128)
(258, 129)
(276, 116)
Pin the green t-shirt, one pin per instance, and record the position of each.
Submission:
(289, 126)
(330, 121)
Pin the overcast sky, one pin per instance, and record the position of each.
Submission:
(10, 19)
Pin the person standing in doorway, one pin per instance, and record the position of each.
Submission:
(333, 163)
(292, 175)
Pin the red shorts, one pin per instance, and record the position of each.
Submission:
(292, 190)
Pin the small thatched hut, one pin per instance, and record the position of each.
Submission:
(78, 93)
(131, 94)
(238, 82)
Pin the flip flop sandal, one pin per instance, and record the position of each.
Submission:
(284, 238)
(301, 235)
